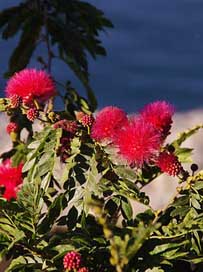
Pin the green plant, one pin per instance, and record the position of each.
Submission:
(77, 195)
(68, 187)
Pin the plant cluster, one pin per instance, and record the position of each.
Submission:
(71, 179)
(70, 182)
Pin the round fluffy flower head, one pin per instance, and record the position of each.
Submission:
(32, 114)
(159, 114)
(108, 121)
(31, 84)
(72, 260)
(86, 120)
(15, 101)
(138, 142)
(12, 127)
(169, 163)
(83, 269)
(10, 179)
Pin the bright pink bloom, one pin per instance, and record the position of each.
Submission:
(12, 127)
(31, 84)
(72, 260)
(10, 179)
(83, 269)
(159, 114)
(108, 121)
(138, 142)
(15, 101)
(87, 120)
(169, 163)
(32, 114)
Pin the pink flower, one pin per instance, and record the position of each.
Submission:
(138, 142)
(86, 120)
(32, 114)
(72, 260)
(31, 84)
(10, 179)
(169, 163)
(12, 127)
(108, 121)
(159, 114)
(15, 101)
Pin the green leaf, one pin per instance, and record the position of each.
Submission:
(4, 102)
(139, 235)
(126, 208)
(125, 173)
(23, 262)
(14, 22)
(195, 204)
(155, 269)
(72, 218)
(52, 214)
(159, 249)
(185, 135)
(83, 78)
(8, 14)
(28, 42)
(184, 154)
(29, 199)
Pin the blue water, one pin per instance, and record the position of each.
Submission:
(155, 52)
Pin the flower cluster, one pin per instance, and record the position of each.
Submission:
(138, 142)
(12, 127)
(72, 261)
(86, 120)
(29, 85)
(169, 163)
(69, 129)
(107, 123)
(138, 139)
(10, 179)
(30, 88)
(159, 114)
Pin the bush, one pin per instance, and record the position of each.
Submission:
(68, 187)
(70, 181)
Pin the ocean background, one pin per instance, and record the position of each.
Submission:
(155, 51)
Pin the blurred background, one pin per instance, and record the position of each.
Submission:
(155, 51)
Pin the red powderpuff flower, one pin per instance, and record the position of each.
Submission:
(159, 114)
(15, 101)
(107, 123)
(169, 163)
(138, 142)
(86, 120)
(83, 269)
(72, 260)
(32, 114)
(12, 127)
(31, 84)
(10, 179)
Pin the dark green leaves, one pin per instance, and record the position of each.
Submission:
(73, 26)
(27, 44)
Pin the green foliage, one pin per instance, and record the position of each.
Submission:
(78, 194)
(85, 204)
